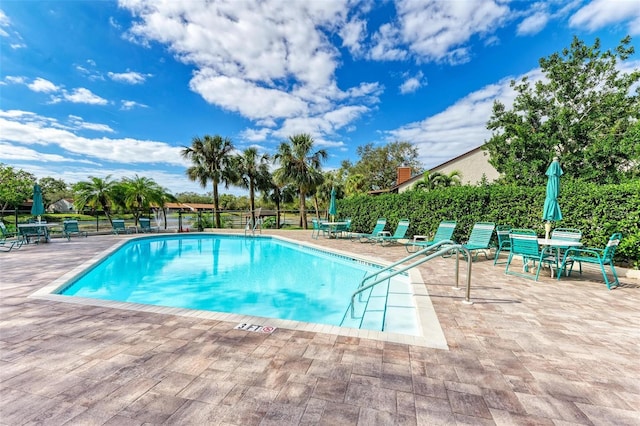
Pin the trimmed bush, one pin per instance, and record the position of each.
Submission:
(597, 210)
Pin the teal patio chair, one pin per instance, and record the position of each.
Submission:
(443, 233)
(70, 228)
(567, 234)
(480, 239)
(145, 225)
(399, 234)
(504, 243)
(367, 238)
(344, 230)
(595, 256)
(318, 228)
(33, 233)
(524, 243)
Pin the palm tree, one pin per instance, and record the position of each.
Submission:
(140, 193)
(300, 167)
(278, 193)
(97, 192)
(211, 158)
(438, 180)
(253, 173)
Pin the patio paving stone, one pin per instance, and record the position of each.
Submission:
(524, 353)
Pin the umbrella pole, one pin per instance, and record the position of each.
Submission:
(547, 229)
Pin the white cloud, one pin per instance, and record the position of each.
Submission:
(80, 96)
(16, 79)
(287, 71)
(79, 123)
(459, 128)
(4, 22)
(437, 30)
(353, 34)
(533, 24)
(600, 13)
(22, 128)
(42, 85)
(411, 84)
(129, 77)
(128, 105)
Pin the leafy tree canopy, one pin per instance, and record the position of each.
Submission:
(585, 111)
(16, 186)
(54, 189)
(378, 166)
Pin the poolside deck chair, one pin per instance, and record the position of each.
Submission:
(318, 228)
(444, 232)
(569, 234)
(595, 256)
(9, 240)
(145, 225)
(118, 227)
(367, 238)
(480, 239)
(399, 234)
(524, 243)
(504, 243)
(70, 228)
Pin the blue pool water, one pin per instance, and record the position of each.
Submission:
(252, 276)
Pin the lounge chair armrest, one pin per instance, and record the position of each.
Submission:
(576, 250)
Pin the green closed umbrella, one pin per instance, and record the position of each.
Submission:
(333, 211)
(37, 208)
(551, 210)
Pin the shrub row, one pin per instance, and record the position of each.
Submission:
(597, 210)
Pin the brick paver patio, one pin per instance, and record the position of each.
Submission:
(535, 353)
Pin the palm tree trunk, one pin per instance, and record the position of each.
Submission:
(315, 204)
(303, 214)
(216, 208)
(278, 214)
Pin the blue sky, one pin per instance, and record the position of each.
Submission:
(96, 88)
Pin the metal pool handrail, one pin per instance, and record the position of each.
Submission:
(447, 247)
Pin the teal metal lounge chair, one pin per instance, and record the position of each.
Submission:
(399, 234)
(9, 240)
(70, 228)
(367, 238)
(504, 243)
(145, 225)
(118, 227)
(595, 256)
(524, 243)
(480, 239)
(443, 233)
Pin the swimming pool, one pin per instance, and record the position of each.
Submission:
(403, 303)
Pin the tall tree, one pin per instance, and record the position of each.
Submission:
(278, 193)
(212, 160)
(16, 186)
(53, 189)
(140, 193)
(379, 165)
(94, 193)
(253, 174)
(584, 110)
(300, 166)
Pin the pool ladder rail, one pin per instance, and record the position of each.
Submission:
(251, 227)
(385, 274)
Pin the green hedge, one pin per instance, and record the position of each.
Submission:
(597, 210)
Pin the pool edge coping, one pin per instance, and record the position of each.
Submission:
(432, 333)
